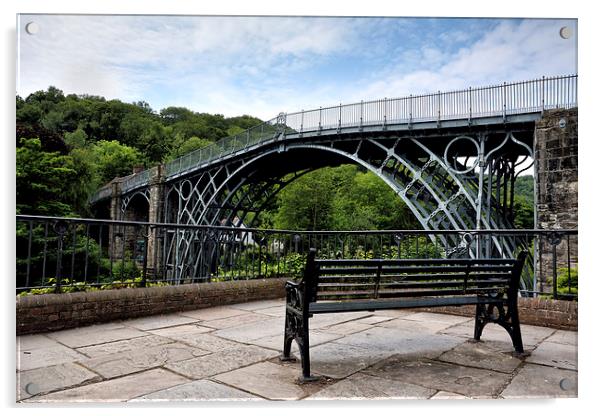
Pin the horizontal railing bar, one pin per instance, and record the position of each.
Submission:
(511, 232)
(463, 103)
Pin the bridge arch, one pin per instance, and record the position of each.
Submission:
(440, 198)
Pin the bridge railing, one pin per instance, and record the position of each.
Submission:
(63, 255)
(498, 100)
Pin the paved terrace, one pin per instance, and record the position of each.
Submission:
(231, 353)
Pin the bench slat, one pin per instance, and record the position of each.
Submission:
(384, 262)
(406, 269)
(420, 277)
(331, 307)
(351, 294)
(412, 284)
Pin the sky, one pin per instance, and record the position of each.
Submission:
(265, 65)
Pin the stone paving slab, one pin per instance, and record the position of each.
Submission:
(239, 320)
(259, 304)
(207, 342)
(438, 317)
(328, 319)
(44, 357)
(95, 334)
(443, 395)
(117, 390)
(555, 355)
(394, 341)
(394, 313)
(276, 342)
(394, 354)
(538, 381)
(374, 319)
(210, 314)
(200, 390)
(48, 379)
(34, 342)
(564, 337)
(273, 311)
(486, 355)
(341, 360)
(254, 330)
(266, 379)
(176, 332)
(415, 326)
(532, 335)
(347, 328)
(437, 375)
(361, 386)
(117, 347)
(159, 321)
(221, 361)
(129, 362)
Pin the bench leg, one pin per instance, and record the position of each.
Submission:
(480, 321)
(514, 329)
(303, 342)
(289, 336)
(506, 317)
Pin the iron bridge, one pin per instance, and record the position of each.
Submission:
(452, 157)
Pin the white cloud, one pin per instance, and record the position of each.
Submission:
(512, 51)
(262, 66)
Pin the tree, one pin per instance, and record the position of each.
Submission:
(182, 147)
(306, 203)
(112, 159)
(43, 180)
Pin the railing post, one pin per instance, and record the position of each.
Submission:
(385, 114)
(504, 102)
(340, 109)
(302, 116)
(469, 105)
(438, 108)
(543, 94)
(361, 115)
(320, 120)
(410, 122)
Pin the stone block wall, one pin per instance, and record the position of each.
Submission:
(556, 140)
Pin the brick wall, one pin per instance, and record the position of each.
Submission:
(559, 314)
(43, 313)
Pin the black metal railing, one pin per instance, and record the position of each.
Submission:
(56, 255)
(500, 100)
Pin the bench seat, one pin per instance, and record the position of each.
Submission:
(351, 285)
(373, 305)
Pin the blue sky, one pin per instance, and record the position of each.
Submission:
(264, 65)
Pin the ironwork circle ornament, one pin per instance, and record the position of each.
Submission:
(61, 227)
(476, 162)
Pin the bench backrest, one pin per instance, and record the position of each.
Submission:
(340, 280)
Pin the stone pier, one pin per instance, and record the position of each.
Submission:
(556, 137)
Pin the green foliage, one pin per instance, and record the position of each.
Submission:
(182, 146)
(341, 198)
(112, 159)
(563, 280)
(103, 139)
(523, 202)
(44, 180)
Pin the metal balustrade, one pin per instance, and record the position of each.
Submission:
(503, 100)
(69, 254)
